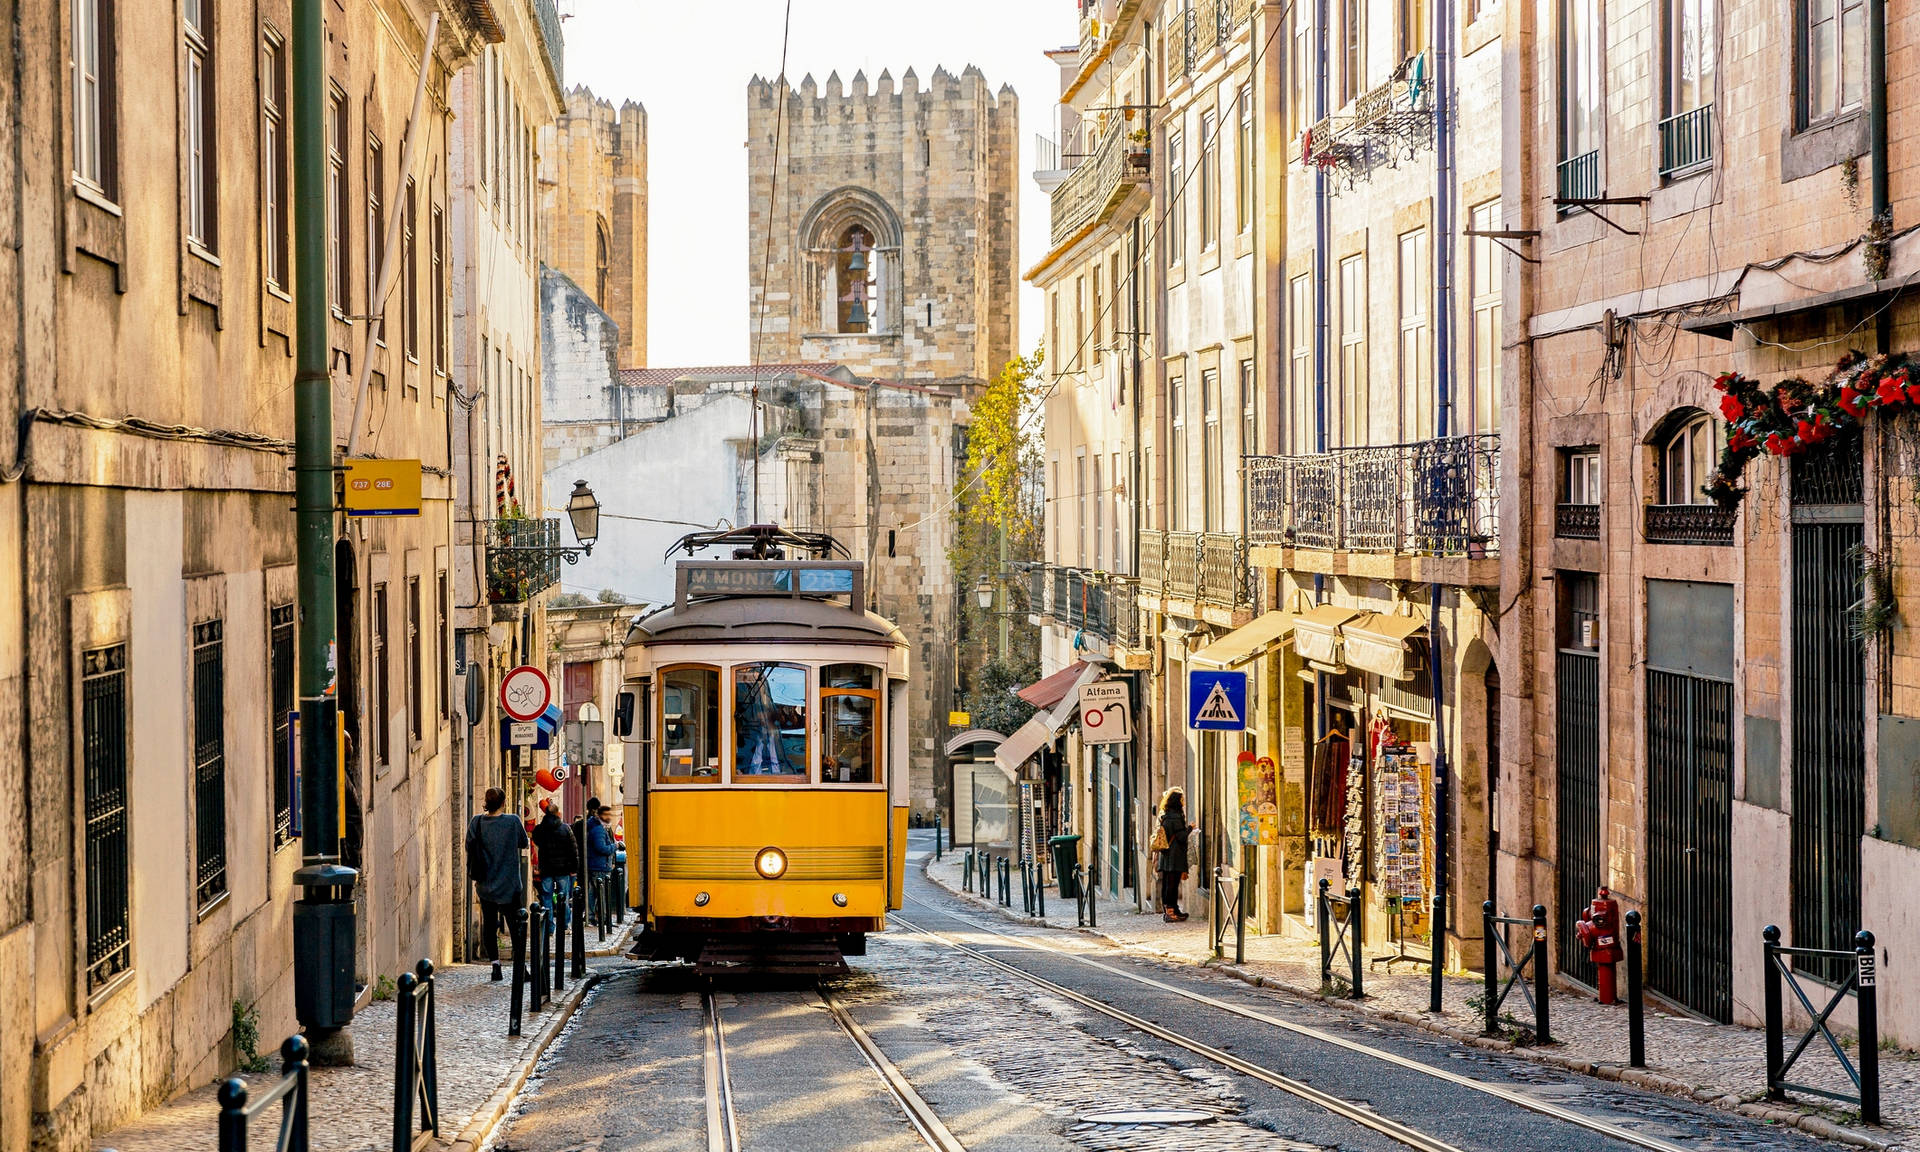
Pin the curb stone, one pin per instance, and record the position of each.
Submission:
(488, 1116)
(1714, 1096)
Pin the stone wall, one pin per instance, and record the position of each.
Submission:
(593, 201)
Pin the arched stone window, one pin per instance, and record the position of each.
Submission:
(601, 261)
(1689, 449)
(851, 242)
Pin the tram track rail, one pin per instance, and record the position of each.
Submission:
(723, 1126)
(1393, 1129)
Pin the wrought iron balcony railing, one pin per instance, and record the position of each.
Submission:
(1097, 183)
(1686, 140)
(1199, 567)
(1198, 30)
(1707, 524)
(523, 559)
(1432, 497)
(1097, 603)
(1577, 521)
(1580, 176)
(1153, 558)
(548, 17)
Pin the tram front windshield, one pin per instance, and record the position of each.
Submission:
(770, 721)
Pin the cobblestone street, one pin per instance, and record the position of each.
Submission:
(351, 1109)
(1723, 1064)
(950, 998)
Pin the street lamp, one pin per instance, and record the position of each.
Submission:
(983, 592)
(583, 508)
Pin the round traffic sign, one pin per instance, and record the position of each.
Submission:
(525, 693)
(1092, 718)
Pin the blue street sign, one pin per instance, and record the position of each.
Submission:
(1217, 701)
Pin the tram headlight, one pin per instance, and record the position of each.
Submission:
(700, 899)
(840, 899)
(771, 863)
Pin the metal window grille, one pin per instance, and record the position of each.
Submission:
(103, 726)
(1577, 798)
(280, 672)
(1686, 140)
(416, 663)
(209, 762)
(1829, 745)
(1690, 840)
(1580, 177)
(442, 654)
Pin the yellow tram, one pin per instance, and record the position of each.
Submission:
(768, 799)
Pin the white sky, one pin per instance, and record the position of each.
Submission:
(689, 64)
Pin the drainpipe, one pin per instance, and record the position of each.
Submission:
(1321, 242)
(324, 924)
(1881, 226)
(1443, 103)
(1143, 734)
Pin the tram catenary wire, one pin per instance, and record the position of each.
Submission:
(723, 1129)
(1403, 1133)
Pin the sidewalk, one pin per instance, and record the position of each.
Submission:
(351, 1109)
(1716, 1063)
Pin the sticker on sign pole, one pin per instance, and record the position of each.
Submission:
(525, 693)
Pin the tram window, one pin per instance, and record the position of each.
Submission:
(690, 726)
(846, 721)
(859, 676)
(770, 722)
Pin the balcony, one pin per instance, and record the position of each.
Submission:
(1577, 521)
(1082, 600)
(1430, 498)
(548, 17)
(1193, 34)
(1202, 568)
(523, 559)
(1099, 185)
(1699, 524)
(1390, 124)
(1686, 140)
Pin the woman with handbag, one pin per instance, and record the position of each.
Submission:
(1170, 842)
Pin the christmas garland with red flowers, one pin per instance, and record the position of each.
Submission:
(1795, 416)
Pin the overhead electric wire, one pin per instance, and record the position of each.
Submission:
(766, 258)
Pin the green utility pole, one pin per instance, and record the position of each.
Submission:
(324, 929)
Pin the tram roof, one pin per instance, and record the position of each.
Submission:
(761, 620)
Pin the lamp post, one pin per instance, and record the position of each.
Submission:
(983, 593)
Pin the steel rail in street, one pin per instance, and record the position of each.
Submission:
(919, 1113)
(723, 1133)
(1359, 1114)
(1519, 1099)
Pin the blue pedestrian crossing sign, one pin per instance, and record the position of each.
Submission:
(1217, 701)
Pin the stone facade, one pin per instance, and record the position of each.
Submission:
(1758, 203)
(930, 177)
(593, 209)
(145, 856)
(888, 246)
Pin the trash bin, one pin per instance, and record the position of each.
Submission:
(1066, 854)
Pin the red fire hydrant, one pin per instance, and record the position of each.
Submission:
(1599, 933)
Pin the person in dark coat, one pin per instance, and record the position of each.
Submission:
(495, 840)
(559, 864)
(1173, 858)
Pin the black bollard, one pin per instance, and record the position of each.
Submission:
(1356, 922)
(1323, 920)
(1540, 1031)
(1490, 969)
(1240, 923)
(559, 926)
(233, 1115)
(1636, 997)
(579, 904)
(938, 834)
(1867, 1007)
(519, 935)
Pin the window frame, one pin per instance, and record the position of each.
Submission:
(1580, 79)
(1212, 448)
(437, 282)
(1485, 305)
(1209, 180)
(1702, 438)
(339, 204)
(1176, 452)
(1413, 358)
(106, 816)
(878, 697)
(1301, 423)
(809, 772)
(1581, 476)
(410, 272)
(380, 679)
(376, 214)
(1806, 114)
(1244, 162)
(94, 92)
(199, 118)
(1176, 241)
(659, 709)
(283, 698)
(416, 664)
(1356, 400)
(209, 725)
(275, 163)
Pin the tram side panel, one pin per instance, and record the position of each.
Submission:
(899, 750)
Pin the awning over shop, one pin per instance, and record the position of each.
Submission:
(1048, 690)
(1316, 633)
(972, 736)
(1038, 732)
(1246, 643)
(1381, 642)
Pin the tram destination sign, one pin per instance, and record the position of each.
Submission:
(767, 578)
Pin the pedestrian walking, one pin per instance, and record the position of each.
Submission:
(1170, 843)
(600, 854)
(495, 839)
(559, 864)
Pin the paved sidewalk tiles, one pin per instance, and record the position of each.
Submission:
(1717, 1063)
(351, 1109)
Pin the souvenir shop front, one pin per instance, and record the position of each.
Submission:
(1370, 797)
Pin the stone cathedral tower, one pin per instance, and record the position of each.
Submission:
(894, 225)
(888, 245)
